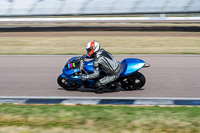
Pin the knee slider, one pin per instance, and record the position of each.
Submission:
(98, 84)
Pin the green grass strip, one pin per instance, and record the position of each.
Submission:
(99, 119)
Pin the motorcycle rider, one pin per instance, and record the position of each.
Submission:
(103, 61)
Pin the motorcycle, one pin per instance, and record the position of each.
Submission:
(129, 79)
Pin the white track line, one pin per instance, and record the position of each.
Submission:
(96, 19)
(97, 98)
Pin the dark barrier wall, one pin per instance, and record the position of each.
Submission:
(101, 28)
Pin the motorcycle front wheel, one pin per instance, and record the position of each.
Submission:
(62, 82)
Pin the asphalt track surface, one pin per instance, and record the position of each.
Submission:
(168, 76)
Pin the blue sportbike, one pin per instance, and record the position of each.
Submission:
(130, 78)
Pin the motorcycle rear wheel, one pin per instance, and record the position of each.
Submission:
(135, 82)
(62, 82)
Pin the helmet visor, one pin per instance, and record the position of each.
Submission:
(89, 49)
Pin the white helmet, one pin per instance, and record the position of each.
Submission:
(92, 47)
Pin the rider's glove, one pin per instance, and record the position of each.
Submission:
(81, 65)
(84, 57)
(83, 77)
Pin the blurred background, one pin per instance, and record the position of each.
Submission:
(97, 7)
(164, 33)
(131, 26)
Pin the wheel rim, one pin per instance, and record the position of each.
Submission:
(138, 83)
(63, 82)
(132, 83)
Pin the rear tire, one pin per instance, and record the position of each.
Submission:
(62, 82)
(141, 80)
(134, 82)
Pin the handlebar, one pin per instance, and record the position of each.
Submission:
(82, 65)
(80, 59)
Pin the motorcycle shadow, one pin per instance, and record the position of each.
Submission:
(89, 90)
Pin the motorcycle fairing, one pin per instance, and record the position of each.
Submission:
(89, 66)
(69, 74)
(131, 65)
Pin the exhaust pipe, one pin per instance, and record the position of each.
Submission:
(146, 65)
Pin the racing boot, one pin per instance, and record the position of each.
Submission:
(100, 87)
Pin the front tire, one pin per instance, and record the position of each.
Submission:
(62, 82)
(134, 82)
